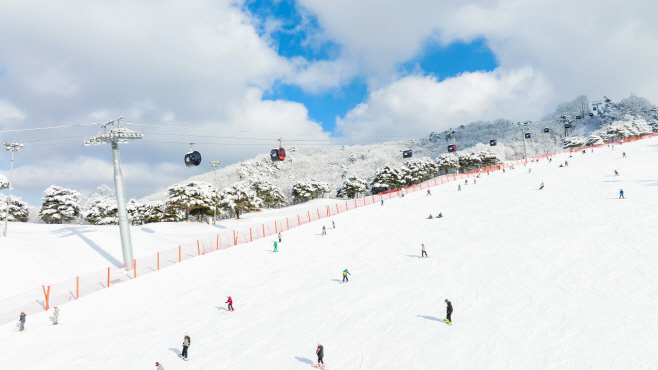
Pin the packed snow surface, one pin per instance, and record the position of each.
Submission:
(559, 278)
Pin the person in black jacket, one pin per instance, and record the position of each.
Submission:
(186, 343)
(320, 353)
(449, 312)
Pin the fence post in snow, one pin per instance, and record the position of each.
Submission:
(108, 277)
(235, 239)
(135, 266)
(47, 295)
(77, 287)
(337, 211)
(198, 248)
(251, 237)
(287, 224)
(263, 230)
(317, 209)
(276, 229)
(158, 261)
(309, 215)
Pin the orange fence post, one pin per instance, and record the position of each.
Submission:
(198, 248)
(318, 213)
(179, 253)
(309, 216)
(135, 268)
(217, 241)
(276, 228)
(77, 287)
(235, 239)
(287, 224)
(251, 236)
(337, 211)
(355, 205)
(299, 222)
(158, 261)
(263, 230)
(108, 277)
(47, 295)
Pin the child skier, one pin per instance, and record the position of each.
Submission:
(459, 187)
(230, 303)
(55, 315)
(276, 248)
(186, 344)
(320, 352)
(448, 313)
(345, 273)
(158, 366)
(428, 192)
(424, 253)
(621, 194)
(324, 230)
(279, 237)
(616, 173)
(21, 319)
(541, 186)
(382, 202)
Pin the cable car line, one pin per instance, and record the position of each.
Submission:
(49, 128)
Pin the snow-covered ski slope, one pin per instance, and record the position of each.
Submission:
(559, 278)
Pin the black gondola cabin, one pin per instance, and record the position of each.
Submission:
(528, 135)
(492, 142)
(407, 153)
(278, 154)
(546, 129)
(193, 159)
(452, 148)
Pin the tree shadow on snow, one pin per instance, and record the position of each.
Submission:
(176, 351)
(429, 318)
(304, 360)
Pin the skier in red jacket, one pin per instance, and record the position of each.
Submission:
(230, 303)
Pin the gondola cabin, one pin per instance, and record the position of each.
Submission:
(192, 159)
(594, 107)
(591, 114)
(452, 148)
(578, 117)
(568, 125)
(528, 135)
(407, 153)
(492, 142)
(278, 154)
(546, 130)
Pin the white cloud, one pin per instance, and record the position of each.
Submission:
(10, 114)
(416, 105)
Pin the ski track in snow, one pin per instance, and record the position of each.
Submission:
(559, 278)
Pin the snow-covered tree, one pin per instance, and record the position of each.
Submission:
(59, 205)
(419, 169)
(469, 160)
(594, 139)
(489, 158)
(305, 190)
(240, 197)
(4, 183)
(134, 211)
(103, 211)
(573, 142)
(18, 210)
(387, 178)
(447, 161)
(270, 194)
(195, 197)
(353, 187)
(633, 106)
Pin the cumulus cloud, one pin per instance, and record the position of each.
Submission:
(416, 105)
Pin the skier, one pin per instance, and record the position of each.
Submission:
(529, 170)
(424, 252)
(276, 248)
(382, 201)
(345, 273)
(474, 181)
(22, 321)
(324, 230)
(448, 312)
(158, 366)
(279, 237)
(320, 353)
(55, 315)
(623, 154)
(333, 224)
(466, 182)
(230, 303)
(186, 344)
(428, 192)
(503, 170)
(566, 164)
(616, 173)
(621, 194)
(541, 186)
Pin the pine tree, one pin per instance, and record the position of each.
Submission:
(4, 183)
(240, 197)
(103, 211)
(489, 158)
(469, 160)
(195, 197)
(59, 205)
(353, 187)
(304, 190)
(387, 178)
(447, 161)
(18, 210)
(270, 194)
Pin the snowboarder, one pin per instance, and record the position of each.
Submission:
(158, 366)
(423, 251)
(616, 173)
(21, 319)
(345, 273)
(440, 215)
(276, 248)
(459, 188)
(541, 186)
(428, 192)
(186, 344)
(430, 216)
(333, 224)
(449, 312)
(324, 230)
(621, 194)
(55, 315)
(230, 303)
(279, 237)
(320, 353)
(623, 154)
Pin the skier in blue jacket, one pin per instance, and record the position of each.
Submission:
(345, 273)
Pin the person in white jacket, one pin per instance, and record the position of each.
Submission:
(55, 315)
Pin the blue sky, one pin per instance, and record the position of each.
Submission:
(296, 34)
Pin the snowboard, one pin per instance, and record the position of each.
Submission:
(184, 359)
(446, 321)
